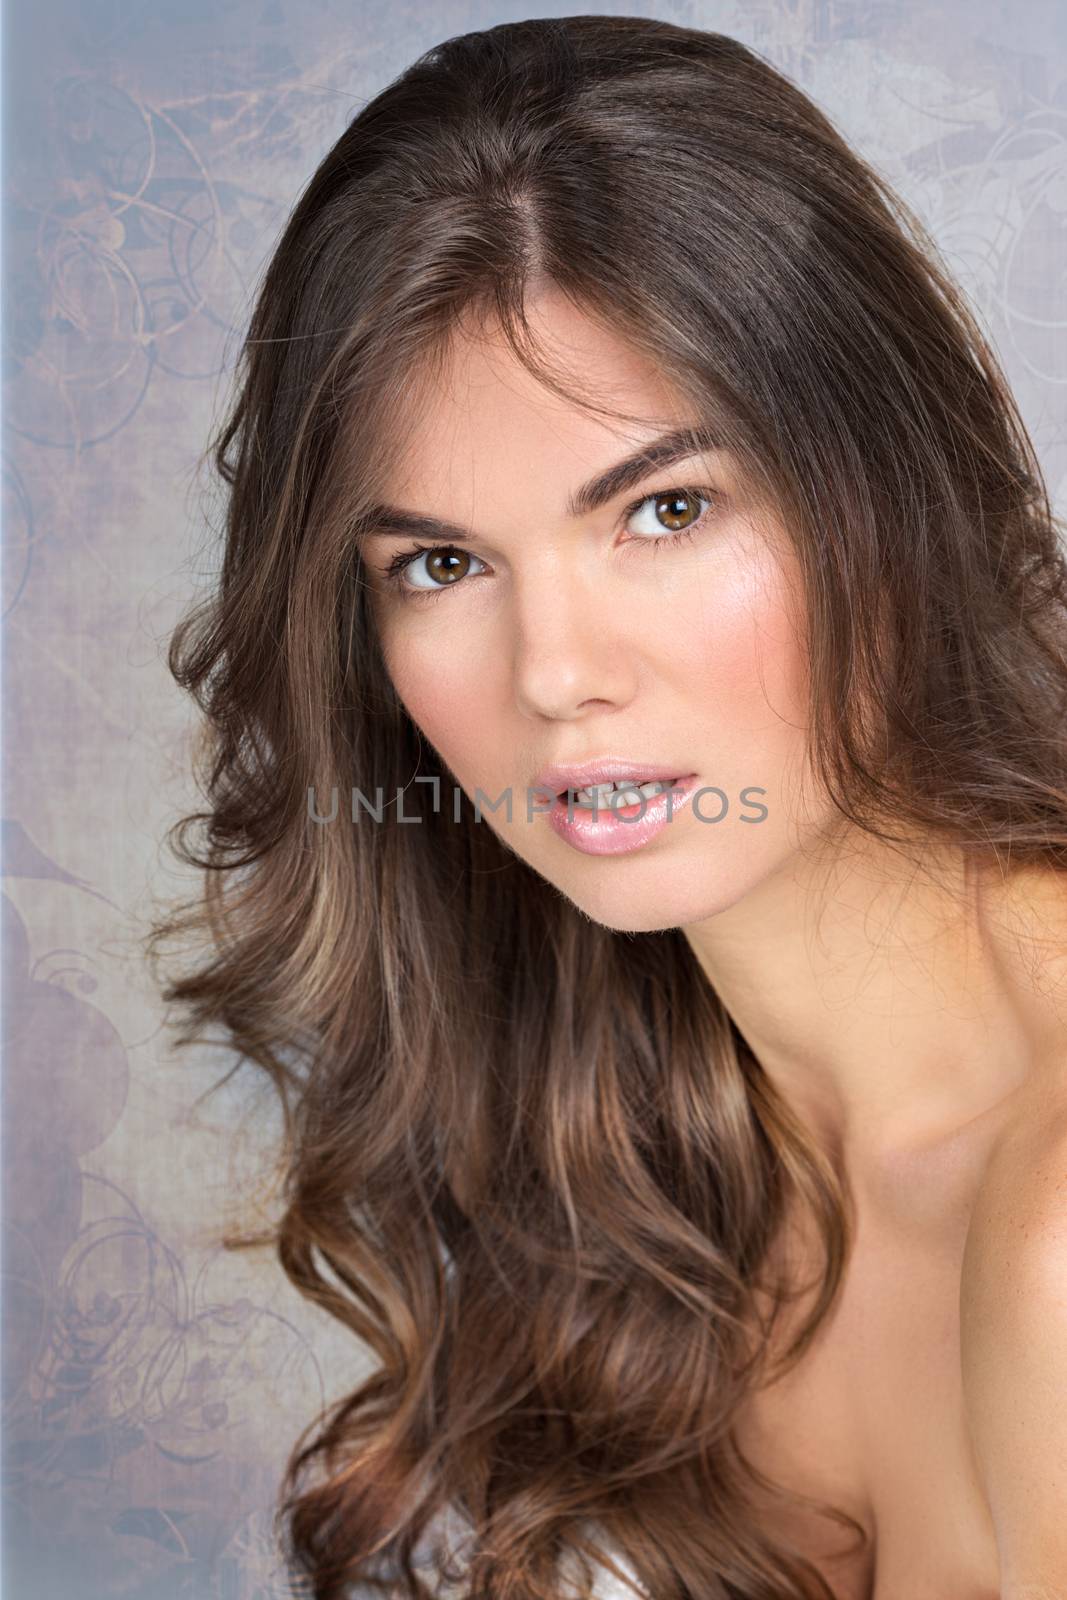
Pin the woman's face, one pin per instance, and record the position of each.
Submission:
(567, 634)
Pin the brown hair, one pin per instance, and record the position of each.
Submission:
(528, 1160)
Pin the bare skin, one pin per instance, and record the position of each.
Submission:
(916, 1021)
(878, 1418)
(874, 1419)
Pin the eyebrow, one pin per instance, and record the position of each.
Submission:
(678, 445)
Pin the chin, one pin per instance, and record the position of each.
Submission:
(664, 899)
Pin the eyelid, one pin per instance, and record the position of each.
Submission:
(701, 491)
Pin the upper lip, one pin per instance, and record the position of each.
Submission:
(605, 769)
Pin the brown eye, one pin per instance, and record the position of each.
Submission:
(677, 508)
(447, 566)
(670, 513)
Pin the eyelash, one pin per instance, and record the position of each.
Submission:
(393, 574)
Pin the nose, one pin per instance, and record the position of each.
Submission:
(572, 649)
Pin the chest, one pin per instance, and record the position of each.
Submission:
(873, 1421)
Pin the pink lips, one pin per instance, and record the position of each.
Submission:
(618, 830)
(604, 769)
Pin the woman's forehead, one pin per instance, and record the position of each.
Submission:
(481, 403)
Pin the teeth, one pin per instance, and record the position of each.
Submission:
(622, 792)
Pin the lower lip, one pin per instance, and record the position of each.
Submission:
(607, 832)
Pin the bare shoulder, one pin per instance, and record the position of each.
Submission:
(1013, 1340)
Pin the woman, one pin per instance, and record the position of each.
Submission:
(692, 1161)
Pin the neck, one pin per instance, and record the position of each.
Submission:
(892, 1003)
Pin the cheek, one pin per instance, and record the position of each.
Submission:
(440, 692)
(737, 643)
(743, 673)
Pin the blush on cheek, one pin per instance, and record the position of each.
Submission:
(441, 703)
(739, 640)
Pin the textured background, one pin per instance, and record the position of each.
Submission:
(152, 1385)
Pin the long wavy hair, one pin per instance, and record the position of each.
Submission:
(529, 1161)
